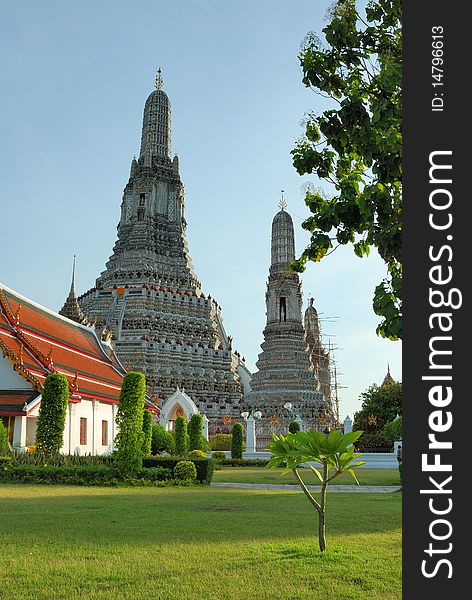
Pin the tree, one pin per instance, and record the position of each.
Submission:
(393, 430)
(294, 426)
(355, 145)
(181, 436)
(380, 405)
(148, 422)
(237, 441)
(195, 432)
(162, 440)
(52, 414)
(333, 451)
(129, 419)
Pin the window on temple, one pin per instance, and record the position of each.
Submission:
(83, 431)
(104, 433)
(282, 309)
(142, 198)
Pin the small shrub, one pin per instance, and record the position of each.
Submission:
(3, 439)
(162, 440)
(237, 441)
(219, 455)
(181, 442)
(204, 466)
(294, 426)
(195, 432)
(221, 441)
(185, 471)
(196, 454)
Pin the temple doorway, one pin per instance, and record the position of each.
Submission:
(177, 412)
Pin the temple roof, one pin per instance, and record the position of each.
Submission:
(71, 308)
(388, 379)
(38, 341)
(282, 241)
(13, 401)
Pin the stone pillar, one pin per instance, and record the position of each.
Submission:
(205, 427)
(347, 425)
(250, 434)
(19, 433)
(97, 429)
(299, 420)
(74, 430)
(113, 426)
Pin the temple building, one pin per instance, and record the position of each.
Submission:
(148, 299)
(293, 377)
(35, 342)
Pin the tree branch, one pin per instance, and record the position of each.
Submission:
(305, 489)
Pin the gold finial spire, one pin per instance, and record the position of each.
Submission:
(282, 202)
(159, 80)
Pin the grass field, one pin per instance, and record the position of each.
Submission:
(263, 475)
(195, 543)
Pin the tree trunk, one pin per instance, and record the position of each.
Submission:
(322, 531)
(322, 511)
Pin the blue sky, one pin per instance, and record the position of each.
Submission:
(75, 76)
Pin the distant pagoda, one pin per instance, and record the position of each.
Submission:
(292, 354)
(71, 308)
(149, 297)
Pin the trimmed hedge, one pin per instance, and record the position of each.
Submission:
(66, 460)
(204, 466)
(294, 426)
(129, 420)
(52, 414)
(5, 461)
(222, 441)
(196, 454)
(3, 438)
(237, 441)
(195, 432)
(148, 422)
(181, 435)
(82, 475)
(162, 440)
(218, 455)
(185, 471)
(241, 462)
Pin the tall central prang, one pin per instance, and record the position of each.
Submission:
(148, 297)
(151, 246)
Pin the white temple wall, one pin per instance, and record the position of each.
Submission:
(94, 412)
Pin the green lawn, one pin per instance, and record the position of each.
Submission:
(195, 543)
(263, 475)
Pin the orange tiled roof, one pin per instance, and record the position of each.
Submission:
(38, 341)
(13, 401)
